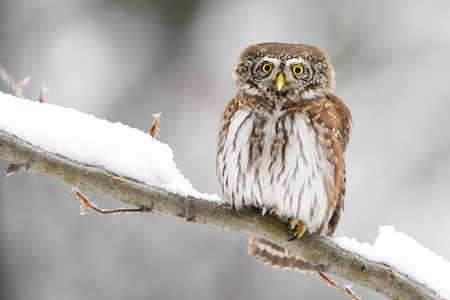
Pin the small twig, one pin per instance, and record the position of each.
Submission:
(17, 87)
(154, 129)
(331, 283)
(107, 212)
(20, 85)
(13, 168)
(41, 94)
(114, 176)
(7, 78)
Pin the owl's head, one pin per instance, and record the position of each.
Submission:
(280, 69)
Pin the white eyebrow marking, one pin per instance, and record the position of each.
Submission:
(274, 61)
(295, 61)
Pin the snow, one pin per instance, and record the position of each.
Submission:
(407, 256)
(120, 149)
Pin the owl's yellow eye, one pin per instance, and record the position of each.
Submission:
(266, 68)
(298, 70)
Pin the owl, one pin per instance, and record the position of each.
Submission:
(281, 144)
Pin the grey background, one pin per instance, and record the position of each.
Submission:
(125, 60)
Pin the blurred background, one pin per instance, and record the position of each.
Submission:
(126, 60)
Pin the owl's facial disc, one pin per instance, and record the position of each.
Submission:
(279, 76)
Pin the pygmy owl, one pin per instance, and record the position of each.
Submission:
(282, 141)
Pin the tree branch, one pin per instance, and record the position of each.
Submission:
(321, 251)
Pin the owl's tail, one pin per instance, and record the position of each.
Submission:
(277, 257)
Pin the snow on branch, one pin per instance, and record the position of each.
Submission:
(82, 151)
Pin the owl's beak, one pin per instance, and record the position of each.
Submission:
(280, 82)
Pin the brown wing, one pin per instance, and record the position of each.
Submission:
(275, 256)
(345, 120)
(340, 122)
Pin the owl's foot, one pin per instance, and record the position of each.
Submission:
(298, 228)
(269, 212)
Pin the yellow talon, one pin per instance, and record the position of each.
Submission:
(273, 211)
(267, 211)
(298, 228)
